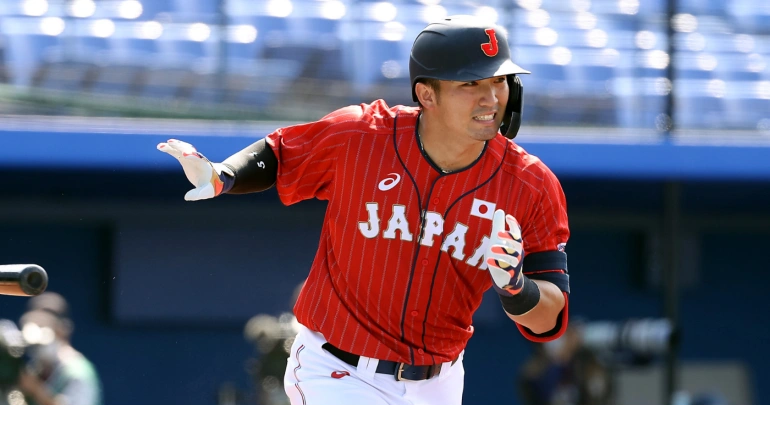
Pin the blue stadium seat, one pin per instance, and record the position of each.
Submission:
(241, 56)
(314, 42)
(753, 16)
(271, 31)
(651, 8)
(85, 47)
(311, 42)
(116, 79)
(639, 110)
(24, 53)
(699, 112)
(186, 49)
(192, 11)
(67, 73)
(257, 89)
(686, 66)
(756, 110)
(746, 112)
(166, 83)
(133, 51)
(738, 67)
(364, 60)
(590, 79)
(695, 107)
(620, 23)
(702, 7)
(10, 8)
(207, 89)
(309, 26)
(193, 7)
(186, 53)
(545, 75)
(155, 9)
(687, 72)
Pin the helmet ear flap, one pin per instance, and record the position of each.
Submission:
(512, 116)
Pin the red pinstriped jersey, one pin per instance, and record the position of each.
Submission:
(400, 266)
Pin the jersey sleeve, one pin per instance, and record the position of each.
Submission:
(547, 229)
(545, 239)
(307, 155)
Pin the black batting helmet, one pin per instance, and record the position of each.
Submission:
(466, 48)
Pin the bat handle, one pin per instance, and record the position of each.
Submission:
(22, 280)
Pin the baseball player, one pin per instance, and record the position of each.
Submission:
(428, 207)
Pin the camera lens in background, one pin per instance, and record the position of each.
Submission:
(648, 336)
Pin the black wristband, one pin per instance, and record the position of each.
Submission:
(526, 300)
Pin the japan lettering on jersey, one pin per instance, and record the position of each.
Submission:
(400, 265)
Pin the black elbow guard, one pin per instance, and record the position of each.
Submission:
(255, 168)
(549, 266)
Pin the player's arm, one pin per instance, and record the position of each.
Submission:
(543, 317)
(538, 304)
(252, 169)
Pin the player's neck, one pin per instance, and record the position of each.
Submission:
(446, 150)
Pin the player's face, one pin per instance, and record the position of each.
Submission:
(473, 109)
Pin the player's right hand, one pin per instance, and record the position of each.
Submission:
(199, 170)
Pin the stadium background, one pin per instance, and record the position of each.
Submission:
(654, 114)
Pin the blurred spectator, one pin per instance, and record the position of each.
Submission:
(56, 373)
(563, 371)
(272, 337)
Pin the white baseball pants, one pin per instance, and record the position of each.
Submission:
(315, 376)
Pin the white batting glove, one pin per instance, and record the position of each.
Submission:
(201, 172)
(506, 253)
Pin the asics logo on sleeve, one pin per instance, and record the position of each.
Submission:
(389, 182)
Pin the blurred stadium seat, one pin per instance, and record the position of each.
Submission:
(699, 103)
(156, 9)
(24, 53)
(702, 7)
(116, 79)
(133, 50)
(611, 55)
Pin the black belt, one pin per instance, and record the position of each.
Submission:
(401, 371)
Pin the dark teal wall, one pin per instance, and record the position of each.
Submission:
(69, 221)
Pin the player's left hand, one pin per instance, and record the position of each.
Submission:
(202, 173)
(506, 253)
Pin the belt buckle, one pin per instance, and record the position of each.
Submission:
(400, 371)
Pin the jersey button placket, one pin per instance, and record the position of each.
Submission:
(414, 313)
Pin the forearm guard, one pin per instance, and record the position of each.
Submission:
(252, 169)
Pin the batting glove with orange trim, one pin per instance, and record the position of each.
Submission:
(505, 254)
(205, 175)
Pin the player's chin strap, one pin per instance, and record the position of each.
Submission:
(512, 117)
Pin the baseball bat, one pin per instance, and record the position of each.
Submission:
(22, 280)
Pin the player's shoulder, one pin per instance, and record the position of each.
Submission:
(524, 167)
(516, 159)
(374, 117)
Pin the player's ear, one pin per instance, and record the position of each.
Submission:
(426, 95)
